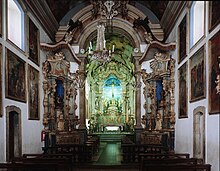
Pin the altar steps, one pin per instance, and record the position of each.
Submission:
(110, 137)
(127, 167)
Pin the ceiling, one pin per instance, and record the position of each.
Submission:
(51, 12)
(59, 8)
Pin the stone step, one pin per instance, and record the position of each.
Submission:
(110, 137)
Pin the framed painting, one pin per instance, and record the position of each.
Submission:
(197, 75)
(15, 77)
(1, 10)
(183, 89)
(0, 80)
(33, 93)
(214, 98)
(33, 42)
(214, 17)
(182, 39)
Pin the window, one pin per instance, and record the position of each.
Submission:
(196, 22)
(15, 23)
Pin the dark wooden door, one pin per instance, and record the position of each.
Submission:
(13, 136)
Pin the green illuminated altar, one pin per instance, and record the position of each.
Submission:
(110, 86)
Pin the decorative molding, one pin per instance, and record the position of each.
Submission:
(60, 45)
(171, 14)
(154, 47)
(44, 15)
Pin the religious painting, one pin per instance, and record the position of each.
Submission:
(33, 93)
(214, 98)
(214, 17)
(197, 72)
(15, 77)
(182, 40)
(0, 80)
(183, 95)
(33, 42)
(1, 18)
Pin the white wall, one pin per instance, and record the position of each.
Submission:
(30, 129)
(184, 126)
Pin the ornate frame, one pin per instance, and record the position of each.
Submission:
(1, 11)
(214, 18)
(15, 77)
(0, 80)
(183, 89)
(182, 38)
(33, 42)
(197, 75)
(33, 93)
(214, 69)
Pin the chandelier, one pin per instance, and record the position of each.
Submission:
(101, 53)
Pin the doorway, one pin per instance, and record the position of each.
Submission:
(13, 134)
(199, 132)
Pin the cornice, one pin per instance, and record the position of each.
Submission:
(44, 15)
(171, 14)
(156, 46)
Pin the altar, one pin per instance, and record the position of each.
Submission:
(112, 128)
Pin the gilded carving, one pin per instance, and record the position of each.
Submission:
(159, 93)
(60, 91)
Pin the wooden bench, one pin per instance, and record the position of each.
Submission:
(31, 167)
(176, 167)
(79, 152)
(171, 162)
(130, 152)
(59, 162)
(163, 156)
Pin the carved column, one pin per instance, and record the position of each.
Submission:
(46, 89)
(172, 99)
(138, 127)
(45, 104)
(166, 103)
(52, 105)
(82, 77)
(138, 92)
(68, 94)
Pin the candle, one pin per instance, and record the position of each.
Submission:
(113, 48)
(104, 44)
(90, 44)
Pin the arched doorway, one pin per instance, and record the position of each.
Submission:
(13, 134)
(199, 132)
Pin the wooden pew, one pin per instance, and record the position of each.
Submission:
(171, 162)
(177, 167)
(30, 167)
(80, 152)
(163, 156)
(43, 162)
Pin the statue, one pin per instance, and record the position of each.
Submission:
(143, 121)
(158, 122)
(218, 84)
(60, 122)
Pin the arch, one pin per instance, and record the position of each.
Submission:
(18, 146)
(199, 132)
(83, 13)
(119, 27)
